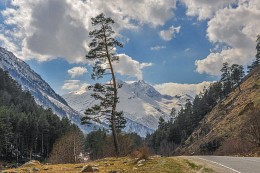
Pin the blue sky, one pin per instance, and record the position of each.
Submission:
(165, 42)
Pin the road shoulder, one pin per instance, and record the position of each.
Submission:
(208, 164)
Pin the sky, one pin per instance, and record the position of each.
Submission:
(177, 46)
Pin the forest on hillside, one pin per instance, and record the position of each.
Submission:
(172, 134)
(27, 131)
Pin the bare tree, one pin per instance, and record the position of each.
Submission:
(67, 148)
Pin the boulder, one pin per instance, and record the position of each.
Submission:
(32, 163)
(141, 161)
(34, 170)
(113, 171)
(89, 168)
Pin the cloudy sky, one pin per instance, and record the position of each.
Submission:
(175, 45)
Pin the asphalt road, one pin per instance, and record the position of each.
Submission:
(230, 164)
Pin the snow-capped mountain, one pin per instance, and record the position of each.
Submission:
(139, 101)
(43, 94)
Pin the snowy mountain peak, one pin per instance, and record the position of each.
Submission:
(120, 82)
(139, 101)
(143, 89)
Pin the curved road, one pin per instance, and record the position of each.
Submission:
(230, 164)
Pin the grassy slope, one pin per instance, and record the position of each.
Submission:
(153, 165)
(228, 119)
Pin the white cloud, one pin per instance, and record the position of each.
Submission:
(75, 86)
(145, 64)
(205, 9)
(77, 71)
(83, 88)
(157, 48)
(130, 67)
(236, 28)
(71, 85)
(214, 61)
(48, 29)
(4, 40)
(187, 50)
(173, 89)
(168, 34)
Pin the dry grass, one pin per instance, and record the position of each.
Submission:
(124, 164)
(228, 119)
(141, 153)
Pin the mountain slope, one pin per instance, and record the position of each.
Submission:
(139, 101)
(43, 94)
(233, 126)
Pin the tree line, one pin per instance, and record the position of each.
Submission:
(27, 131)
(99, 144)
(173, 133)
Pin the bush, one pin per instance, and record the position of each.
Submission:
(210, 146)
(68, 148)
(141, 153)
(234, 146)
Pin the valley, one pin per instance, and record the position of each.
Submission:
(129, 86)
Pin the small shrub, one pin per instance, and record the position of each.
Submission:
(141, 153)
(211, 146)
(234, 146)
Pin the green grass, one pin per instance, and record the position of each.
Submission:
(208, 170)
(193, 165)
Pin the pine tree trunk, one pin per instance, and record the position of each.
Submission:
(31, 154)
(74, 149)
(42, 145)
(113, 125)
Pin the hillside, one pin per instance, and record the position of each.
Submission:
(27, 131)
(233, 126)
(41, 91)
(142, 104)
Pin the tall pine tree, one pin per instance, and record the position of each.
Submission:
(226, 79)
(237, 73)
(256, 63)
(102, 49)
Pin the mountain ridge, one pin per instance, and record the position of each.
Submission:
(142, 103)
(43, 94)
(139, 101)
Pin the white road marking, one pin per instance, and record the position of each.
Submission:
(219, 164)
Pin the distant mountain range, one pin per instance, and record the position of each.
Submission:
(141, 103)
